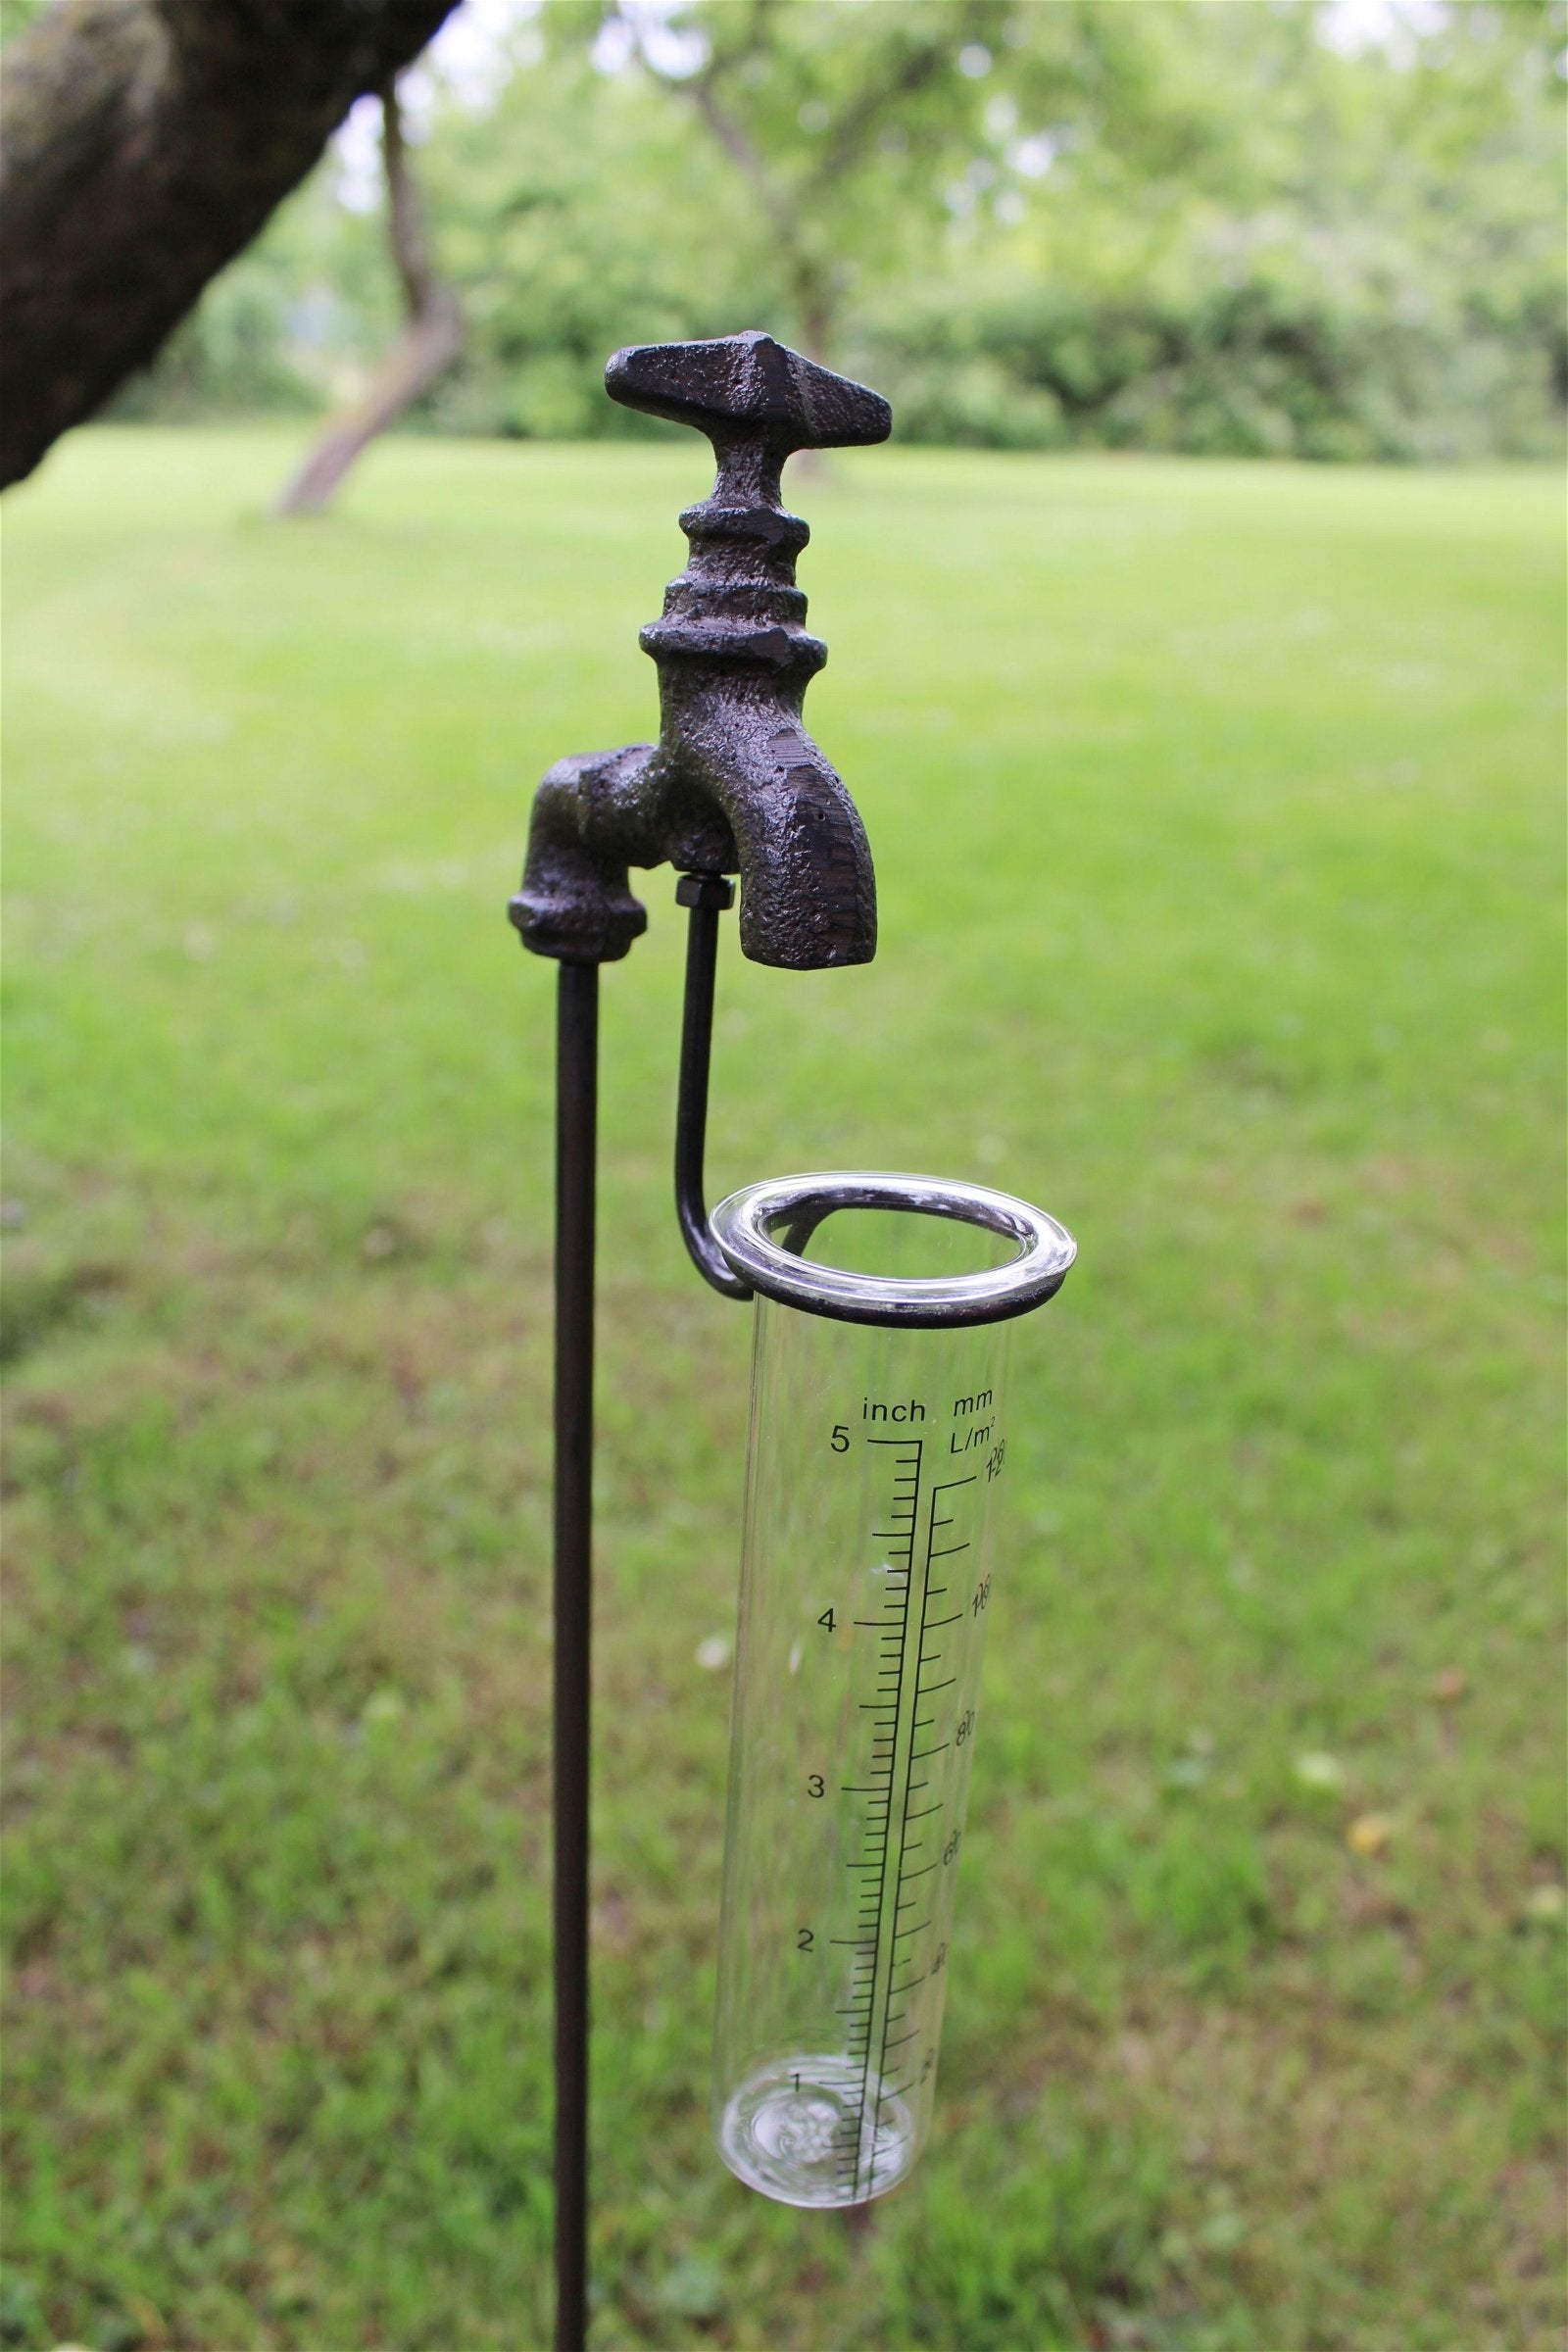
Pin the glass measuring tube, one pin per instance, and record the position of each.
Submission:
(878, 1441)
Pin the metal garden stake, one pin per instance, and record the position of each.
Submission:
(882, 1303)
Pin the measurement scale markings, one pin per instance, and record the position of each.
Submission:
(876, 1949)
(900, 1877)
(908, 1463)
(904, 1876)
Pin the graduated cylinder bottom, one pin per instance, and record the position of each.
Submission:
(867, 1583)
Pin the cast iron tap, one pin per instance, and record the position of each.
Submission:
(734, 784)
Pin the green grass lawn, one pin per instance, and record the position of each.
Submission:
(1217, 819)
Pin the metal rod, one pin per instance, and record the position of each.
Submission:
(577, 1121)
(707, 895)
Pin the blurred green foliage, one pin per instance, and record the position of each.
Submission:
(1227, 228)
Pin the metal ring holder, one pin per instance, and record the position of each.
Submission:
(746, 1224)
(735, 784)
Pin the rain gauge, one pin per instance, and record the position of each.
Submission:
(878, 1429)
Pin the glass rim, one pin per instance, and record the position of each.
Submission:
(742, 1226)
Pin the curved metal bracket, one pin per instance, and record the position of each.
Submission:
(707, 895)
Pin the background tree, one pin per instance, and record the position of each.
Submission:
(1227, 229)
(145, 142)
(1367, 263)
(581, 211)
(849, 126)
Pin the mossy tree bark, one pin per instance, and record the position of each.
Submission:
(144, 143)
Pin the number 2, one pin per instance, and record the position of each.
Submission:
(803, 1940)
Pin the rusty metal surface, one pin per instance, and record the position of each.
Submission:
(735, 783)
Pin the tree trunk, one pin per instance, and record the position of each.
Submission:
(145, 142)
(426, 347)
(817, 308)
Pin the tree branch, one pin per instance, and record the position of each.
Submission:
(144, 143)
(407, 229)
(744, 154)
(423, 352)
(860, 119)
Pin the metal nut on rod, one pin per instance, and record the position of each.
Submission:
(714, 891)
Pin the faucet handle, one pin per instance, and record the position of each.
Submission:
(748, 388)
